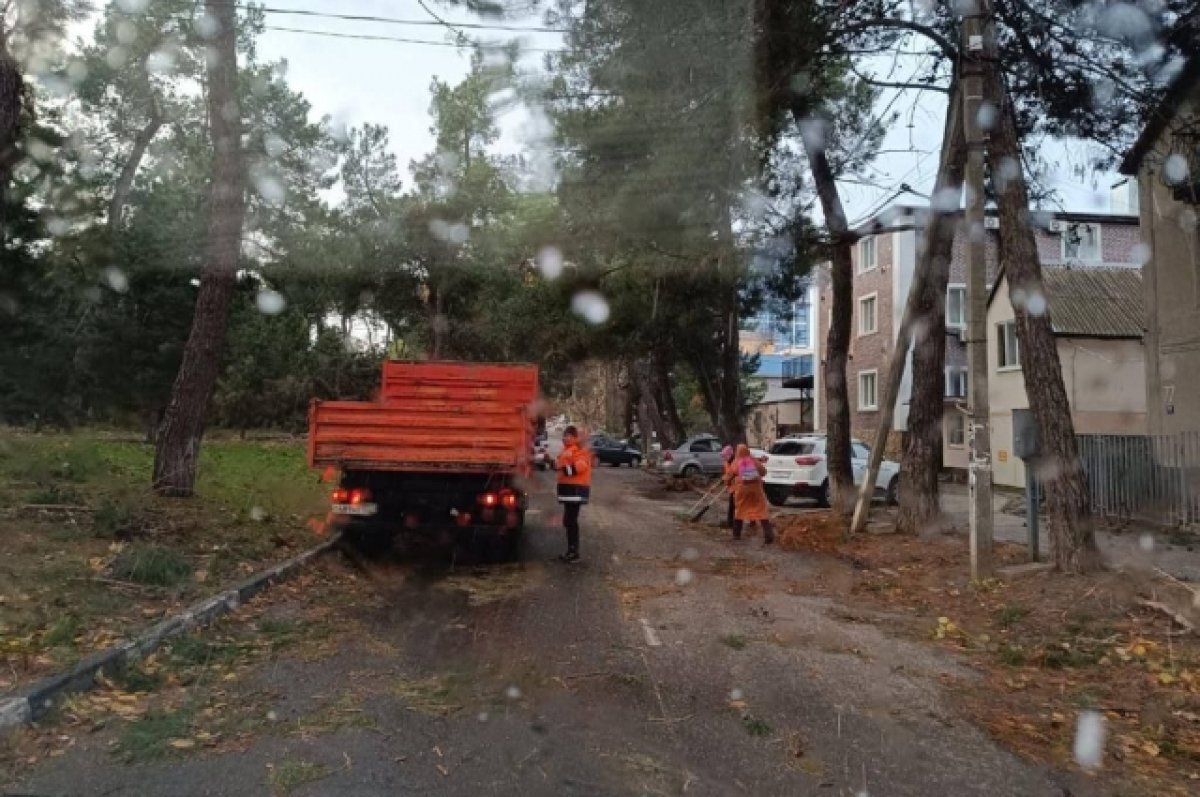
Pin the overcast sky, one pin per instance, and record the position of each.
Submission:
(387, 82)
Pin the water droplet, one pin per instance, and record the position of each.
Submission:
(1146, 542)
(482, 716)
(513, 693)
(946, 200)
(126, 32)
(77, 71)
(446, 161)
(1140, 253)
(162, 61)
(57, 225)
(1035, 305)
(272, 716)
(270, 302)
(456, 233)
(813, 131)
(271, 189)
(736, 694)
(683, 577)
(1175, 169)
(550, 262)
(207, 26)
(133, 6)
(116, 279)
(1089, 739)
(590, 306)
(987, 116)
(689, 555)
(257, 513)
(116, 57)
(274, 145)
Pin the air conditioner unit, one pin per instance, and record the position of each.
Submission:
(1058, 226)
(991, 223)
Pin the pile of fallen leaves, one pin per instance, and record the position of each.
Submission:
(814, 531)
(1048, 648)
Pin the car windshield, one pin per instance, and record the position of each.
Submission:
(789, 448)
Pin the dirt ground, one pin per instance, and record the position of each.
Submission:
(1048, 646)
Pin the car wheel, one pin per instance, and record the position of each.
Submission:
(690, 470)
(893, 491)
(823, 494)
(778, 496)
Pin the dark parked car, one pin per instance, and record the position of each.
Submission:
(615, 452)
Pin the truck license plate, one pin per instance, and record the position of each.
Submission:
(359, 510)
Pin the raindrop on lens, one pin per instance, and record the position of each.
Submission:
(270, 302)
(735, 694)
(1089, 740)
(683, 577)
(1146, 542)
(257, 513)
(513, 693)
(271, 189)
(274, 145)
(1035, 305)
(987, 116)
(1140, 254)
(590, 306)
(1175, 169)
(56, 225)
(550, 262)
(126, 32)
(133, 6)
(483, 716)
(161, 62)
(689, 555)
(77, 71)
(207, 26)
(115, 57)
(116, 279)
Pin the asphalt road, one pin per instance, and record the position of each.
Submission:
(668, 662)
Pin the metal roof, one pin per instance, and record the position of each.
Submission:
(1095, 302)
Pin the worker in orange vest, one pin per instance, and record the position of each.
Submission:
(574, 466)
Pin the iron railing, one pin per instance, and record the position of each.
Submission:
(1152, 478)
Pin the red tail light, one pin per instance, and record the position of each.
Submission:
(508, 499)
(464, 518)
(807, 461)
(360, 495)
(340, 496)
(488, 499)
(668, 456)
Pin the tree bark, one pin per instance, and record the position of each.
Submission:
(1072, 533)
(178, 447)
(650, 419)
(667, 401)
(12, 103)
(120, 197)
(730, 423)
(920, 509)
(837, 397)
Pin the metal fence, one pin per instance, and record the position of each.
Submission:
(1153, 478)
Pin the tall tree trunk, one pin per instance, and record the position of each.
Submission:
(120, 197)
(667, 401)
(178, 447)
(1071, 528)
(920, 510)
(650, 419)
(837, 395)
(12, 103)
(730, 423)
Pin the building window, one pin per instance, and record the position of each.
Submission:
(868, 395)
(1081, 242)
(956, 306)
(956, 381)
(956, 430)
(1008, 353)
(801, 336)
(868, 315)
(866, 254)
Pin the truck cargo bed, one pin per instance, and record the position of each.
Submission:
(431, 416)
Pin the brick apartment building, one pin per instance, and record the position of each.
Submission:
(884, 262)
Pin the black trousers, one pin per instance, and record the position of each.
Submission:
(571, 524)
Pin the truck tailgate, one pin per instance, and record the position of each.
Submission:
(431, 416)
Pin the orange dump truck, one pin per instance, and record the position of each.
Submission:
(441, 448)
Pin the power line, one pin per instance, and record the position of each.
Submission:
(435, 21)
(405, 40)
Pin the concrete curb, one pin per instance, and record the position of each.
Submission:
(33, 702)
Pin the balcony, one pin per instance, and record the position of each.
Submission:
(798, 372)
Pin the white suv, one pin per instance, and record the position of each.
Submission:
(797, 467)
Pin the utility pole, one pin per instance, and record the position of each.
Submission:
(975, 47)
